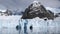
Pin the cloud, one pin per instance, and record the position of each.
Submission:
(22, 4)
(2, 7)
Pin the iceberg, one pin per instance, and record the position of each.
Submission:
(42, 26)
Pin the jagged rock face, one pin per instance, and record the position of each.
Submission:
(57, 15)
(50, 14)
(36, 9)
(8, 12)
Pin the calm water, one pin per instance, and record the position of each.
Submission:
(8, 26)
(36, 31)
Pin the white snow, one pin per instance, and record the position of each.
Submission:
(2, 10)
(55, 10)
(36, 3)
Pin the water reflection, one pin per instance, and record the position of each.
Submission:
(18, 27)
(31, 28)
(45, 27)
(25, 27)
(19, 31)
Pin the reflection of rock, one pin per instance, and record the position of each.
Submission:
(18, 27)
(31, 27)
(45, 19)
(36, 9)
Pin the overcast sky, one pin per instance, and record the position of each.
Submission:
(22, 4)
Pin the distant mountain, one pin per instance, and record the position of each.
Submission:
(36, 9)
(10, 12)
(5, 12)
(17, 12)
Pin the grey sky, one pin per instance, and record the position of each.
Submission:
(22, 4)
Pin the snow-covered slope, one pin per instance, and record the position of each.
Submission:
(55, 10)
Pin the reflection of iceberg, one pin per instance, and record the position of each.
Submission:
(39, 25)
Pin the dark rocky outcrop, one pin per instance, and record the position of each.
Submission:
(50, 15)
(57, 15)
(36, 9)
(8, 12)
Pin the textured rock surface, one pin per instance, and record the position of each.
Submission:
(36, 9)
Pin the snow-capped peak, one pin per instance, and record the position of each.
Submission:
(36, 3)
(2, 10)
